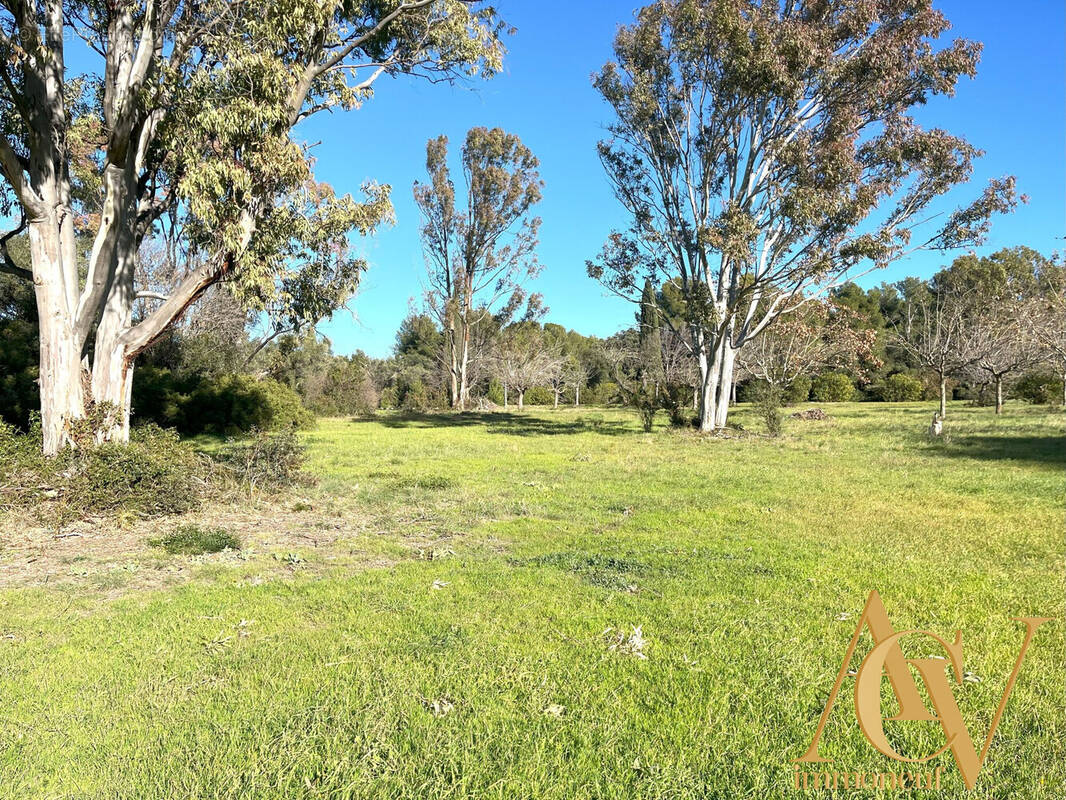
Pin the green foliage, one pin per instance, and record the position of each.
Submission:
(228, 405)
(767, 404)
(799, 391)
(19, 394)
(494, 393)
(605, 393)
(539, 396)
(192, 540)
(155, 474)
(832, 387)
(902, 388)
(1039, 387)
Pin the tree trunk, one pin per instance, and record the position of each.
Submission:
(726, 359)
(943, 395)
(1064, 389)
(60, 375)
(708, 393)
(999, 394)
(556, 398)
(577, 395)
(521, 398)
(112, 376)
(505, 395)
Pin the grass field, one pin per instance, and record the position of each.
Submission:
(488, 649)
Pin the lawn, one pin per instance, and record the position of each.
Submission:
(480, 640)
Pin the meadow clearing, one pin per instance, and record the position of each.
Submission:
(463, 624)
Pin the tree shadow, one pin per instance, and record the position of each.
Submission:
(504, 422)
(1049, 450)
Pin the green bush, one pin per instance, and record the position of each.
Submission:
(192, 540)
(799, 391)
(832, 387)
(240, 403)
(1039, 387)
(768, 406)
(389, 398)
(494, 394)
(602, 394)
(224, 405)
(539, 396)
(902, 388)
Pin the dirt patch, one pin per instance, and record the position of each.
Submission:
(279, 539)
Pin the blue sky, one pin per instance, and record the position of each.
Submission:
(1013, 110)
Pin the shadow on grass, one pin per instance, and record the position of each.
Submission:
(504, 422)
(1049, 450)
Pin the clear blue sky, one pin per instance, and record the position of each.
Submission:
(1014, 110)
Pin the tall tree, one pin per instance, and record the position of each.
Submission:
(479, 254)
(185, 125)
(765, 151)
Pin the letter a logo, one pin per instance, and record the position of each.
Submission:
(886, 657)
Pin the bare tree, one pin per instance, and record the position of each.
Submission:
(821, 335)
(1004, 341)
(934, 331)
(1047, 316)
(575, 374)
(523, 359)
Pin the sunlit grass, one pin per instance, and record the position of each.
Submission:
(481, 665)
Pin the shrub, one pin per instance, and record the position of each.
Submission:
(224, 405)
(156, 473)
(832, 387)
(1039, 387)
(539, 396)
(494, 394)
(768, 406)
(389, 398)
(799, 391)
(902, 388)
(602, 394)
(192, 540)
(269, 461)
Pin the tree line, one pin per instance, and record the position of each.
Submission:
(764, 156)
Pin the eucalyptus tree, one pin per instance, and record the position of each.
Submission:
(478, 253)
(765, 151)
(184, 123)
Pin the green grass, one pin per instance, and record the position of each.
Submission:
(517, 541)
(194, 540)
